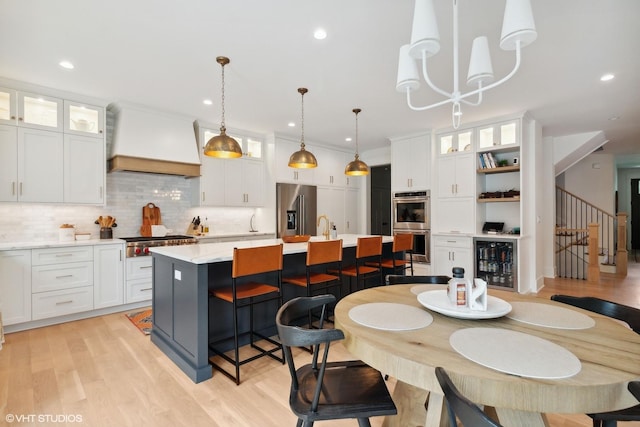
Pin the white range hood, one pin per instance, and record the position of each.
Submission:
(146, 140)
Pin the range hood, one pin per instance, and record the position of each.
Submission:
(146, 140)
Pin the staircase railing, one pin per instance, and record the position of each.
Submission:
(574, 216)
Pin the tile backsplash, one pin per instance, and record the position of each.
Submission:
(127, 193)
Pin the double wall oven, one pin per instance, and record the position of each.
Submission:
(412, 215)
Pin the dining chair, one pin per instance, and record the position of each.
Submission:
(324, 390)
(458, 406)
(368, 251)
(248, 288)
(396, 279)
(402, 247)
(627, 314)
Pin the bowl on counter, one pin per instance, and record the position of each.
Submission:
(297, 238)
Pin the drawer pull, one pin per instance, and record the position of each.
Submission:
(64, 277)
(146, 289)
(63, 255)
(64, 302)
(146, 266)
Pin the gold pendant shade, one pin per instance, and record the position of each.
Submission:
(223, 146)
(302, 159)
(356, 167)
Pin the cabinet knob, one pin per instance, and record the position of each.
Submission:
(19, 119)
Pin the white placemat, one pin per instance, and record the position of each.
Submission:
(390, 316)
(549, 316)
(515, 353)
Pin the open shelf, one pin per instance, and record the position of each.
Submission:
(499, 199)
(501, 169)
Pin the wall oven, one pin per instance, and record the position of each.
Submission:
(421, 244)
(412, 215)
(411, 211)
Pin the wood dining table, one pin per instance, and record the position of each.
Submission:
(608, 354)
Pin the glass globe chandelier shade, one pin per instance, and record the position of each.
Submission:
(222, 145)
(302, 159)
(356, 167)
(518, 31)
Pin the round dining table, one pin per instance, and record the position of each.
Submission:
(608, 353)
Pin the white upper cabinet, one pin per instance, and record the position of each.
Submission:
(499, 135)
(39, 111)
(8, 106)
(8, 163)
(330, 170)
(83, 119)
(84, 169)
(454, 142)
(410, 163)
(40, 166)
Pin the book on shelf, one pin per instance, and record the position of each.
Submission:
(481, 159)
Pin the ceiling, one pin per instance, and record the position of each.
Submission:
(161, 53)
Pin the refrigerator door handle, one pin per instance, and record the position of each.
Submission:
(302, 226)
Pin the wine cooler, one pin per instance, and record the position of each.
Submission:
(496, 263)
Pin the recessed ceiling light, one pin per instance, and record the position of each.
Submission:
(66, 64)
(207, 102)
(320, 34)
(348, 139)
(291, 125)
(606, 77)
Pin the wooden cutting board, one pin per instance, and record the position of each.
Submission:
(150, 216)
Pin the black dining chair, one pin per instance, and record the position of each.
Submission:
(460, 407)
(325, 390)
(627, 314)
(396, 279)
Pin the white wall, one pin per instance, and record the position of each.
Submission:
(593, 179)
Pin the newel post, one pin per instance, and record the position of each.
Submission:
(621, 250)
(593, 270)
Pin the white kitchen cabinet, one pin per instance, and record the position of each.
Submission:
(456, 175)
(211, 189)
(283, 150)
(8, 163)
(139, 283)
(351, 196)
(84, 169)
(40, 166)
(498, 135)
(8, 106)
(454, 142)
(452, 251)
(330, 170)
(410, 163)
(15, 286)
(83, 119)
(39, 111)
(331, 203)
(244, 183)
(108, 275)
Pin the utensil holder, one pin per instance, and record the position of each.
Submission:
(106, 233)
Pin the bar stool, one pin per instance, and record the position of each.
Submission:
(249, 262)
(368, 261)
(322, 256)
(402, 244)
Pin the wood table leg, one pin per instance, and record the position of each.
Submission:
(411, 411)
(511, 417)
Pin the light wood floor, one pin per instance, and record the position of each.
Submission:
(106, 373)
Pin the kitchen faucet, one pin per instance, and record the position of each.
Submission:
(325, 233)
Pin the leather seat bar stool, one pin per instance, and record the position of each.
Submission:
(368, 251)
(322, 257)
(248, 288)
(401, 249)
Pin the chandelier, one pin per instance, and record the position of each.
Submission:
(518, 30)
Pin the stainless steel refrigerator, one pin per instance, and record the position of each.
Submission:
(296, 207)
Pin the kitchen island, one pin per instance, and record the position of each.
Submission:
(185, 319)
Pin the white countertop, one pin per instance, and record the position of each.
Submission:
(235, 234)
(8, 246)
(206, 253)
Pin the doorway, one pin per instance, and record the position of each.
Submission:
(635, 215)
(380, 208)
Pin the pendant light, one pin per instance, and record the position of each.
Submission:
(302, 159)
(356, 167)
(223, 145)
